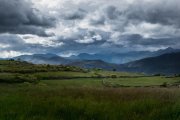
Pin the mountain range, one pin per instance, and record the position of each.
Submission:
(164, 64)
(162, 61)
(44, 59)
(121, 58)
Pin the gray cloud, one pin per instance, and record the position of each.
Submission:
(138, 40)
(163, 12)
(19, 16)
(112, 12)
(100, 20)
(75, 14)
(15, 43)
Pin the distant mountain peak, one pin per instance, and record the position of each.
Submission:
(51, 55)
(167, 49)
(166, 64)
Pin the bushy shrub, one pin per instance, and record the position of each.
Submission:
(98, 75)
(25, 78)
(177, 75)
(164, 84)
(158, 74)
(113, 76)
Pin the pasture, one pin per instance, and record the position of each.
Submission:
(41, 92)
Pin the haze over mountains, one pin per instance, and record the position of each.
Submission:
(121, 58)
(164, 64)
(161, 61)
(44, 59)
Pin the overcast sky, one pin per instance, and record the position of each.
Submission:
(67, 27)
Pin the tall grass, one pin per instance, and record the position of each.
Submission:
(43, 102)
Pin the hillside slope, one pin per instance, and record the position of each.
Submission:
(94, 64)
(165, 64)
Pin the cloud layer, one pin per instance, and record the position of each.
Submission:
(76, 26)
(19, 17)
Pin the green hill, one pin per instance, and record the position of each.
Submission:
(17, 71)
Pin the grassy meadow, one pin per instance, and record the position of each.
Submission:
(44, 92)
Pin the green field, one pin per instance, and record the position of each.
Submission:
(114, 82)
(86, 100)
(44, 92)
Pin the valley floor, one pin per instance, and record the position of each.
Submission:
(47, 92)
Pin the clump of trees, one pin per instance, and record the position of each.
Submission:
(165, 84)
(113, 76)
(17, 78)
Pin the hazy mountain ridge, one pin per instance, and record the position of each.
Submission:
(121, 58)
(44, 59)
(164, 64)
(167, 63)
(90, 64)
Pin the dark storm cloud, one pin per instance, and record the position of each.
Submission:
(75, 14)
(163, 12)
(112, 12)
(136, 39)
(16, 43)
(23, 29)
(19, 16)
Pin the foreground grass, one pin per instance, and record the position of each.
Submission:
(53, 101)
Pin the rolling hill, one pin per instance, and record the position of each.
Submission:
(90, 64)
(165, 64)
